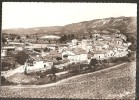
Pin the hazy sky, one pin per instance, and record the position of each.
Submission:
(31, 14)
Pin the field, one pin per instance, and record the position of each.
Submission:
(112, 83)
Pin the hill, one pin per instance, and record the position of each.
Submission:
(113, 83)
(122, 25)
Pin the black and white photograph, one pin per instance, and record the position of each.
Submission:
(73, 50)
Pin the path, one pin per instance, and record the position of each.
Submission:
(12, 72)
(64, 80)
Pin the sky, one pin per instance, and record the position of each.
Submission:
(33, 14)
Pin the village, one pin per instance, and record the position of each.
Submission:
(44, 56)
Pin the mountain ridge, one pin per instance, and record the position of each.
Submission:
(123, 24)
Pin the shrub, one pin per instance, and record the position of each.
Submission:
(46, 49)
(6, 66)
(21, 57)
(38, 50)
(58, 58)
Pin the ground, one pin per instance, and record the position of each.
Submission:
(117, 82)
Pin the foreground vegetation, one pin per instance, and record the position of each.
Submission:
(113, 83)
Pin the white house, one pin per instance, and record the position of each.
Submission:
(74, 42)
(20, 48)
(99, 55)
(61, 49)
(9, 48)
(98, 47)
(85, 44)
(3, 52)
(106, 46)
(121, 47)
(121, 54)
(109, 53)
(36, 64)
(118, 41)
(75, 54)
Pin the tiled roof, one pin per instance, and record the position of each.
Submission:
(117, 45)
(78, 51)
(99, 51)
(36, 58)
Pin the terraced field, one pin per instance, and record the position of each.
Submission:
(112, 83)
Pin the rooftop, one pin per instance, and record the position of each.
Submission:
(78, 51)
(50, 37)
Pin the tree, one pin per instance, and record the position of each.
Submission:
(12, 36)
(72, 36)
(52, 73)
(3, 40)
(53, 70)
(27, 36)
(5, 66)
(20, 41)
(21, 57)
(46, 49)
(58, 58)
(93, 63)
(18, 37)
(132, 47)
(63, 38)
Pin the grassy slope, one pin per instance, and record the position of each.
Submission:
(113, 83)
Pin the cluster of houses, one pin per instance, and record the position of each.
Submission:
(100, 47)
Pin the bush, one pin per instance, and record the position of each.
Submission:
(5, 82)
(6, 66)
(38, 50)
(3, 39)
(58, 58)
(21, 57)
(46, 49)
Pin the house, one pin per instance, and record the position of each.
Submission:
(98, 47)
(49, 38)
(74, 42)
(117, 47)
(121, 53)
(9, 48)
(107, 37)
(105, 46)
(96, 35)
(52, 47)
(75, 54)
(85, 43)
(114, 35)
(118, 41)
(36, 63)
(3, 52)
(123, 37)
(61, 49)
(19, 48)
(31, 40)
(99, 55)
(109, 53)
(23, 38)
